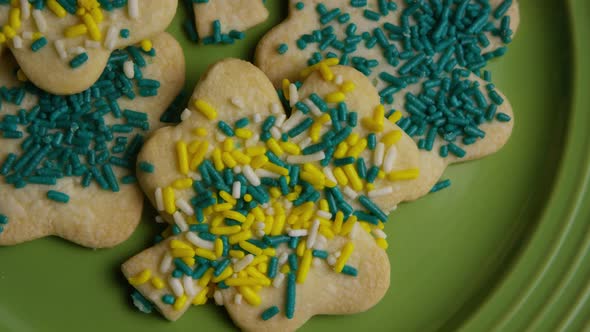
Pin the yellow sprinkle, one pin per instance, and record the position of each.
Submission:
(228, 160)
(382, 243)
(301, 248)
(183, 252)
(366, 227)
(379, 113)
(14, 18)
(250, 295)
(285, 269)
(344, 256)
(242, 236)
(244, 133)
(286, 83)
(228, 145)
(9, 32)
(314, 179)
(327, 232)
(236, 254)
(56, 8)
(358, 148)
(157, 283)
(234, 215)
(201, 298)
(97, 15)
(226, 230)
(324, 205)
(217, 161)
(259, 161)
(347, 86)
(180, 303)
(177, 244)
(276, 169)
(279, 224)
(93, 29)
(37, 35)
(248, 198)
(146, 45)
(338, 220)
(263, 268)
(217, 220)
(353, 139)
(208, 254)
(218, 247)
(370, 124)
(206, 109)
(392, 137)
(249, 247)
(335, 97)
(341, 150)
(202, 132)
(370, 186)
(182, 183)
(409, 174)
(340, 176)
(355, 181)
(237, 282)
(348, 225)
(199, 155)
(2, 38)
(290, 148)
(381, 175)
(169, 200)
(274, 146)
(182, 157)
(254, 151)
(252, 271)
(167, 232)
(204, 281)
(381, 225)
(304, 267)
(275, 192)
(80, 12)
(20, 75)
(194, 146)
(141, 278)
(326, 72)
(395, 117)
(269, 252)
(75, 31)
(224, 275)
(222, 207)
(259, 259)
(190, 261)
(240, 157)
(249, 221)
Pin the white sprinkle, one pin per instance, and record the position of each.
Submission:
(354, 231)
(276, 108)
(185, 207)
(305, 143)
(238, 102)
(337, 254)
(263, 173)
(302, 159)
(287, 204)
(251, 175)
(129, 69)
(166, 263)
(294, 120)
(159, 199)
(379, 154)
(379, 233)
(189, 286)
(133, 6)
(313, 233)
(111, 37)
(40, 20)
(243, 263)
(270, 211)
(194, 176)
(176, 286)
(76, 50)
(331, 260)
(197, 241)
(17, 42)
(259, 225)
(185, 114)
(280, 120)
(237, 169)
(260, 233)
(293, 94)
(60, 47)
(91, 43)
(236, 189)
(25, 9)
(330, 174)
(276, 133)
(312, 107)
(218, 298)
(316, 262)
(297, 232)
(159, 220)
(321, 242)
(253, 141)
(348, 191)
(238, 299)
(380, 192)
(220, 137)
(278, 281)
(179, 221)
(324, 214)
(28, 35)
(339, 79)
(283, 258)
(257, 118)
(390, 158)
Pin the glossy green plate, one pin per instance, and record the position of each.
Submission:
(506, 248)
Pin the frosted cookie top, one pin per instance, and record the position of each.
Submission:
(63, 46)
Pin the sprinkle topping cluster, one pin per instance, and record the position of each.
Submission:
(268, 196)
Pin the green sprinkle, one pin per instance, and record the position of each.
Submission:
(38, 44)
(58, 196)
(270, 313)
(146, 167)
(79, 60)
(441, 185)
(283, 48)
(124, 33)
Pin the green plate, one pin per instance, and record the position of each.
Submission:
(506, 248)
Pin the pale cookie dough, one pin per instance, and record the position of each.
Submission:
(239, 15)
(237, 90)
(94, 217)
(290, 64)
(46, 67)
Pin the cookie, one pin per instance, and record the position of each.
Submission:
(222, 21)
(255, 198)
(67, 164)
(64, 50)
(423, 59)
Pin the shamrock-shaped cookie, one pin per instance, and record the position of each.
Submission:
(422, 57)
(67, 164)
(63, 46)
(278, 218)
(222, 21)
